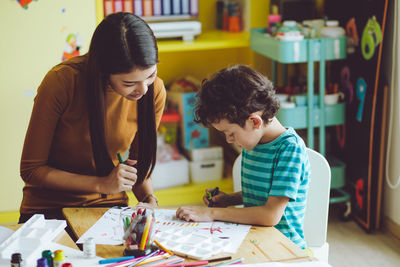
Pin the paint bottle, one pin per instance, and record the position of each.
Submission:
(42, 262)
(16, 260)
(58, 258)
(89, 248)
(48, 255)
(67, 264)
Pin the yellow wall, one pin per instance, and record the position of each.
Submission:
(32, 41)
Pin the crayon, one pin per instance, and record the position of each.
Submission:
(211, 195)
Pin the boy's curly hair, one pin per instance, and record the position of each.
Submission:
(233, 94)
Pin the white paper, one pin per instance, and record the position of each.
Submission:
(108, 230)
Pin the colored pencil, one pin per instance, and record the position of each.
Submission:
(239, 260)
(144, 258)
(190, 263)
(116, 259)
(163, 248)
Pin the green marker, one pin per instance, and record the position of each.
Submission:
(120, 158)
(127, 222)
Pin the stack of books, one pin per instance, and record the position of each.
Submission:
(154, 9)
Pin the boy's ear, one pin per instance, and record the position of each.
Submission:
(256, 120)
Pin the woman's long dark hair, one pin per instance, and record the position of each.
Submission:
(120, 43)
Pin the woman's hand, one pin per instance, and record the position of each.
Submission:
(122, 178)
(150, 201)
(219, 200)
(195, 214)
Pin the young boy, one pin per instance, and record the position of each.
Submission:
(241, 103)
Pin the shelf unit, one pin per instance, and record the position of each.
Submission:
(305, 51)
(310, 116)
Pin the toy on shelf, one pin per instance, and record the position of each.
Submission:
(229, 16)
(169, 126)
(182, 97)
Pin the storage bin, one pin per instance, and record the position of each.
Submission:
(296, 51)
(206, 170)
(171, 173)
(207, 153)
(297, 117)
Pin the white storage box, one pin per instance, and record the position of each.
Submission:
(206, 170)
(207, 153)
(171, 173)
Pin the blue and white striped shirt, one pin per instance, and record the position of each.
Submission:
(279, 168)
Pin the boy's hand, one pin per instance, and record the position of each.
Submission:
(219, 200)
(195, 214)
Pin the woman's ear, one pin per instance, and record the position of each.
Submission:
(256, 120)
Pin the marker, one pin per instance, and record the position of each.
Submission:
(125, 223)
(211, 195)
(120, 158)
(145, 234)
(116, 259)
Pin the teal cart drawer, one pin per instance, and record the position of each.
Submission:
(297, 117)
(296, 51)
(338, 173)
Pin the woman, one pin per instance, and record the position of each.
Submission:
(87, 110)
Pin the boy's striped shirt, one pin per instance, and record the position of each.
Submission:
(279, 168)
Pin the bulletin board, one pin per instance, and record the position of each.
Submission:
(360, 142)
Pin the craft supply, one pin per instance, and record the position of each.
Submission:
(144, 258)
(48, 255)
(145, 232)
(42, 262)
(185, 243)
(166, 260)
(199, 263)
(89, 248)
(211, 195)
(120, 159)
(59, 258)
(138, 234)
(190, 263)
(67, 264)
(163, 248)
(220, 259)
(113, 260)
(235, 261)
(16, 260)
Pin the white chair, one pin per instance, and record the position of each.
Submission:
(316, 214)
